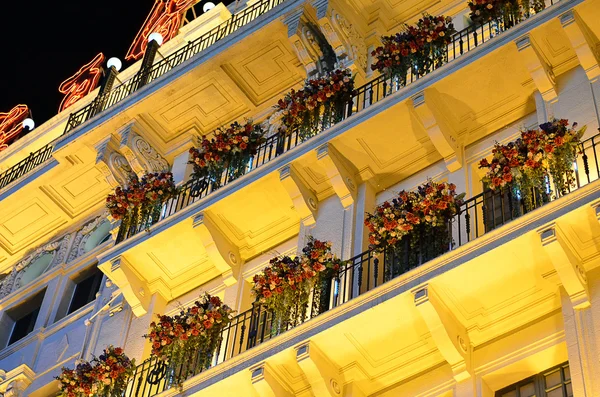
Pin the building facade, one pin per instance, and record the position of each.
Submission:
(510, 307)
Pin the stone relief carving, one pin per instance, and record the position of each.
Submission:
(57, 247)
(64, 249)
(312, 47)
(155, 162)
(81, 237)
(120, 168)
(140, 155)
(354, 42)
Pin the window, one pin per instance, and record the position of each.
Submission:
(555, 382)
(86, 290)
(20, 321)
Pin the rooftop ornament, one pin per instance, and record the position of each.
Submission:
(165, 18)
(81, 83)
(13, 124)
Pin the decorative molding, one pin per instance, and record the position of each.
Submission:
(140, 155)
(82, 235)
(348, 44)
(312, 47)
(58, 248)
(13, 383)
(111, 163)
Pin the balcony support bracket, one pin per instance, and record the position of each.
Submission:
(567, 264)
(580, 39)
(540, 71)
(304, 199)
(340, 177)
(322, 374)
(450, 336)
(119, 271)
(267, 382)
(445, 141)
(222, 253)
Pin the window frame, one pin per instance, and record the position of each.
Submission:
(539, 382)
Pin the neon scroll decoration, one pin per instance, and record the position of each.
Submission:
(165, 18)
(81, 83)
(11, 125)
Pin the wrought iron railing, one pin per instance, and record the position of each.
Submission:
(357, 276)
(366, 95)
(24, 166)
(143, 77)
(363, 97)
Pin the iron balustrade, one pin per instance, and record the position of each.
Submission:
(356, 276)
(145, 76)
(24, 166)
(363, 97)
(462, 42)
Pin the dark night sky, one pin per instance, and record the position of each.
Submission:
(45, 42)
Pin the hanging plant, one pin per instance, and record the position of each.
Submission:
(285, 286)
(321, 103)
(507, 11)
(141, 202)
(189, 340)
(414, 226)
(525, 164)
(106, 375)
(228, 150)
(420, 48)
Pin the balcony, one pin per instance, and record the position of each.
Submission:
(478, 216)
(366, 96)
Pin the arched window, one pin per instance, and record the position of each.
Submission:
(98, 236)
(35, 269)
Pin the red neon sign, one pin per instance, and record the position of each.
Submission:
(164, 18)
(11, 125)
(81, 83)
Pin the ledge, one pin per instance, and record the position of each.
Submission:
(530, 222)
(338, 129)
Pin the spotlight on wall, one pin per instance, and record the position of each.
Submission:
(156, 37)
(114, 62)
(28, 124)
(208, 6)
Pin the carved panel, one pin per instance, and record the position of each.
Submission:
(140, 155)
(58, 249)
(266, 72)
(81, 237)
